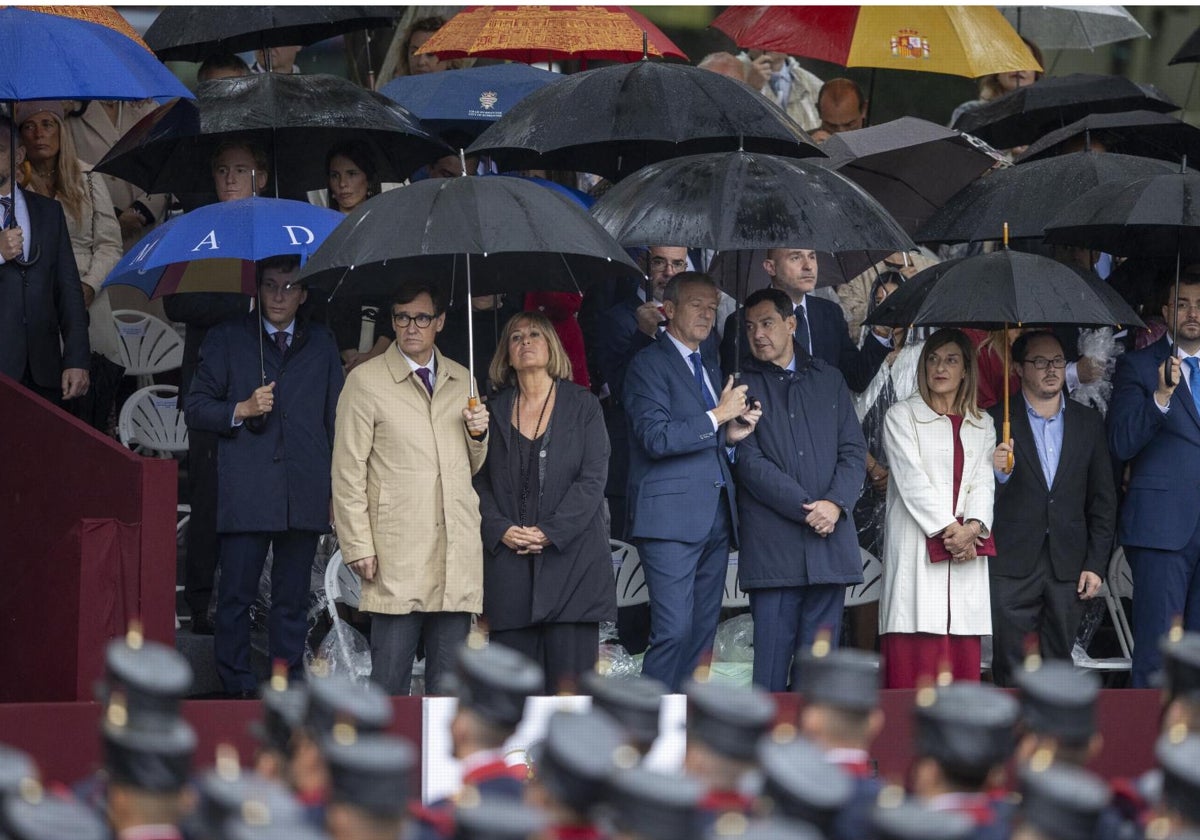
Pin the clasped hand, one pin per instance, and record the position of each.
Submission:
(961, 541)
(525, 540)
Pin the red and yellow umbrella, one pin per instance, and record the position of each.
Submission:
(102, 15)
(969, 41)
(531, 34)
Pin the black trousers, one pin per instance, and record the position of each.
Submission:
(394, 640)
(1038, 603)
(564, 650)
(202, 541)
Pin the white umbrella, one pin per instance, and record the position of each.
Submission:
(1073, 27)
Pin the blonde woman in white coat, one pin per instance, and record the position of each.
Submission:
(933, 613)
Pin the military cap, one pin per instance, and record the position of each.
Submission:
(256, 820)
(494, 681)
(894, 818)
(635, 702)
(225, 790)
(156, 758)
(337, 698)
(1058, 700)
(728, 720)
(1181, 662)
(1061, 801)
(735, 826)
(496, 818)
(154, 678)
(31, 815)
(966, 727)
(577, 757)
(372, 772)
(15, 767)
(801, 783)
(1178, 754)
(654, 806)
(843, 678)
(284, 703)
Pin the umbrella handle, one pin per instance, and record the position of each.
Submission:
(1006, 426)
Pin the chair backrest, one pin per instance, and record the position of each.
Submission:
(341, 584)
(1120, 576)
(147, 344)
(868, 591)
(733, 597)
(151, 420)
(630, 576)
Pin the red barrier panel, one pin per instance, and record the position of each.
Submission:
(87, 543)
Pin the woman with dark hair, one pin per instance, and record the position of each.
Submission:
(935, 605)
(547, 572)
(352, 175)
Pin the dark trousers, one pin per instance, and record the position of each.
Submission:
(242, 559)
(53, 395)
(564, 650)
(686, 582)
(394, 640)
(1036, 603)
(202, 541)
(1165, 585)
(787, 619)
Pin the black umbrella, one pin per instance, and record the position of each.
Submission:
(1142, 133)
(493, 234)
(1025, 114)
(192, 33)
(297, 116)
(997, 291)
(1026, 197)
(614, 120)
(911, 166)
(1189, 53)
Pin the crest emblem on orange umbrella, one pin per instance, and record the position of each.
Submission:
(908, 43)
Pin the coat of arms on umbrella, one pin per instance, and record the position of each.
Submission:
(908, 43)
(488, 100)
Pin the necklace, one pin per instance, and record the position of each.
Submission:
(527, 463)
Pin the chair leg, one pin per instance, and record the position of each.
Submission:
(1118, 619)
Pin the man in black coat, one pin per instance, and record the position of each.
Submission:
(820, 324)
(43, 321)
(1054, 513)
(798, 478)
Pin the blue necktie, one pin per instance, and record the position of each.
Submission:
(698, 370)
(803, 335)
(7, 203)
(1193, 366)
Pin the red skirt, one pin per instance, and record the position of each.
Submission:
(910, 659)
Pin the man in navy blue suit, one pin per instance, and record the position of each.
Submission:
(820, 324)
(1155, 426)
(680, 489)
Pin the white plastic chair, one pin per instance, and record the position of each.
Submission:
(734, 597)
(148, 345)
(150, 421)
(868, 591)
(341, 585)
(630, 576)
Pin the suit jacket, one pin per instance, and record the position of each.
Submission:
(1076, 514)
(830, 343)
(273, 477)
(677, 462)
(807, 446)
(43, 322)
(1163, 451)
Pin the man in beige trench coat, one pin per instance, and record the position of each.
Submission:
(405, 448)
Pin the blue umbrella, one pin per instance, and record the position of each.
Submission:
(214, 248)
(467, 100)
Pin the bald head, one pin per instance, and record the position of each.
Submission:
(842, 106)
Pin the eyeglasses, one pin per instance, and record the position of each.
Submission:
(1041, 363)
(659, 263)
(403, 319)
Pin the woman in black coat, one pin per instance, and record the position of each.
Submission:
(547, 574)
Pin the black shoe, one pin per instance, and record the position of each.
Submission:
(201, 626)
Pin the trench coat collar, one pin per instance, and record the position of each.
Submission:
(400, 369)
(924, 414)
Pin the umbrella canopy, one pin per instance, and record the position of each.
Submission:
(531, 34)
(1073, 27)
(467, 100)
(1143, 133)
(78, 52)
(192, 33)
(743, 201)
(1026, 197)
(969, 41)
(214, 248)
(1156, 218)
(910, 166)
(1189, 52)
(296, 117)
(1022, 116)
(614, 120)
(1001, 289)
(520, 236)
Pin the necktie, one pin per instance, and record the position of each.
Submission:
(427, 378)
(7, 203)
(802, 333)
(698, 370)
(1193, 366)
(281, 341)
